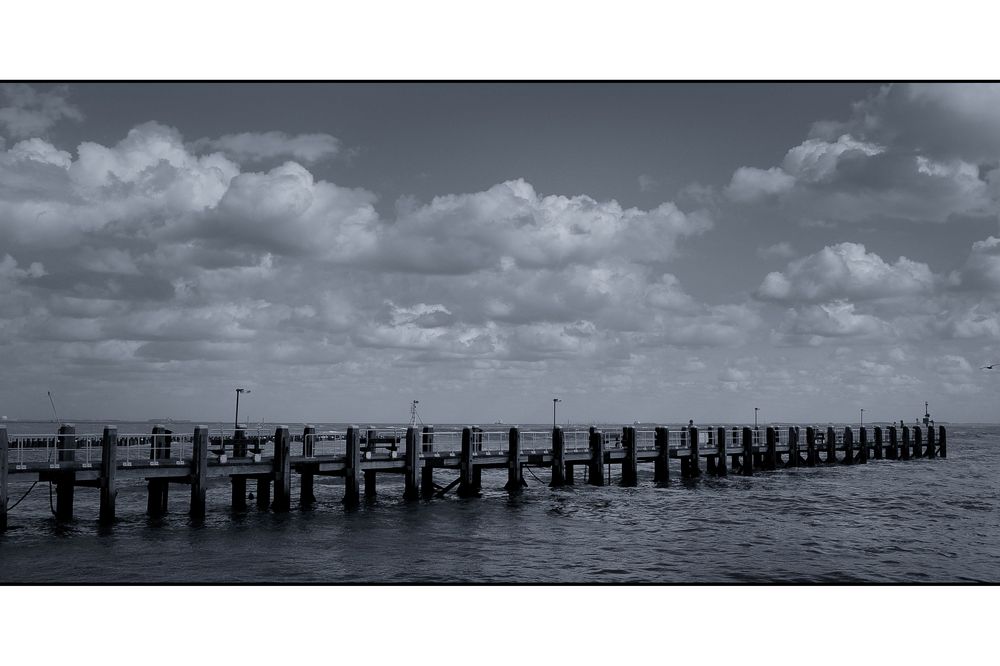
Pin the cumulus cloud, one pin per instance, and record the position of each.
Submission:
(27, 112)
(982, 267)
(846, 270)
(261, 146)
(839, 320)
(782, 250)
(750, 184)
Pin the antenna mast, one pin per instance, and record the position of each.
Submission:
(52, 402)
(414, 417)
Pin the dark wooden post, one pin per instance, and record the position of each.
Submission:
(630, 470)
(199, 471)
(931, 453)
(905, 449)
(282, 469)
(307, 480)
(411, 477)
(771, 455)
(515, 475)
(558, 458)
(918, 442)
(831, 445)
(710, 445)
(661, 466)
(747, 466)
(942, 442)
(863, 444)
(466, 483)
(720, 447)
(848, 446)
(427, 472)
(238, 483)
(793, 447)
(3, 477)
(595, 476)
(694, 465)
(67, 480)
(878, 443)
(811, 455)
(109, 465)
(352, 462)
(893, 452)
(369, 451)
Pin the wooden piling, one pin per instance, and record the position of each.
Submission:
(905, 449)
(307, 479)
(831, 445)
(892, 452)
(515, 474)
(558, 458)
(863, 445)
(793, 447)
(630, 470)
(238, 483)
(771, 452)
(918, 443)
(466, 484)
(811, 455)
(411, 475)
(282, 467)
(694, 464)
(595, 474)
(942, 442)
(931, 453)
(352, 462)
(746, 467)
(661, 465)
(199, 471)
(67, 480)
(109, 465)
(685, 460)
(710, 445)
(3, 477)
(427, 472)
(848, 446)
(878, 443)
(720, 448)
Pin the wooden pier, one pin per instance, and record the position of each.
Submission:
(69, 460)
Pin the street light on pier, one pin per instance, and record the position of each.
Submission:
(755, 409)
(862, 417)
(236, 424)
(554, 401)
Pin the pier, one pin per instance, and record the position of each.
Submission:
(432, 463)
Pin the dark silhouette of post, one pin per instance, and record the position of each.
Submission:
(905, 450)
(307, 480)
(466, 483)
(694, 463)
(918, 442)
(831, 445)
(3, 476)
(630, 471)
(515, 475)
(942, 442)
(720, 452)
(238, 483)
(812, 456)
(848, 446)
(67, 480)
(109, 465)
(863, 445)
(892, 453)
(558, 458)
(199, 471)
(282, 469)
(771, 452)
(352, 463)
(878, 443)
(595, 475)
(931, 453)
(793, 447)
(661, 466)
(746, 466)
(411, 475)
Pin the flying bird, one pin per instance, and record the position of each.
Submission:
(990, 366)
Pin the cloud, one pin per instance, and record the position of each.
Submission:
(982, 267)
(262, 146)
(816, 324)
(750, 184)
(846, 270)
(27, 112)
(782, 250)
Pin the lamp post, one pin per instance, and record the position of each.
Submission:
(554, 401)
(862, 417)
(755, 417)
(236, 424)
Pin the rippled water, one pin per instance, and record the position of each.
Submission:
(887, 521)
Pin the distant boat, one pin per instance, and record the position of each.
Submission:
(498, 422)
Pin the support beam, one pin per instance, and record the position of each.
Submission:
(199, 471)
(793, 447)
(694, 464)
(558, 458)
(771, 452)
(848, 446)
(746, 467)
(905, 448)
(661, 466)
(515, 473)
(307, 479)
(282, 469)
(893, 451)
(239, 483)
(67, 480)
(427, 472)
(863, 445)
(595, 476)
(918, 443)
(4, 447)
(720, 448)
(831, 445)
(942, 442)
(109, 465)
(466, 485)
(812, 456)
(931, 453)
(878, 443)
(352, 463)
(630, 470)
(411, 475)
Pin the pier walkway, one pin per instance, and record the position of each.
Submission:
(69, 460)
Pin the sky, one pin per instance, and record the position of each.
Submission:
(643, 251)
